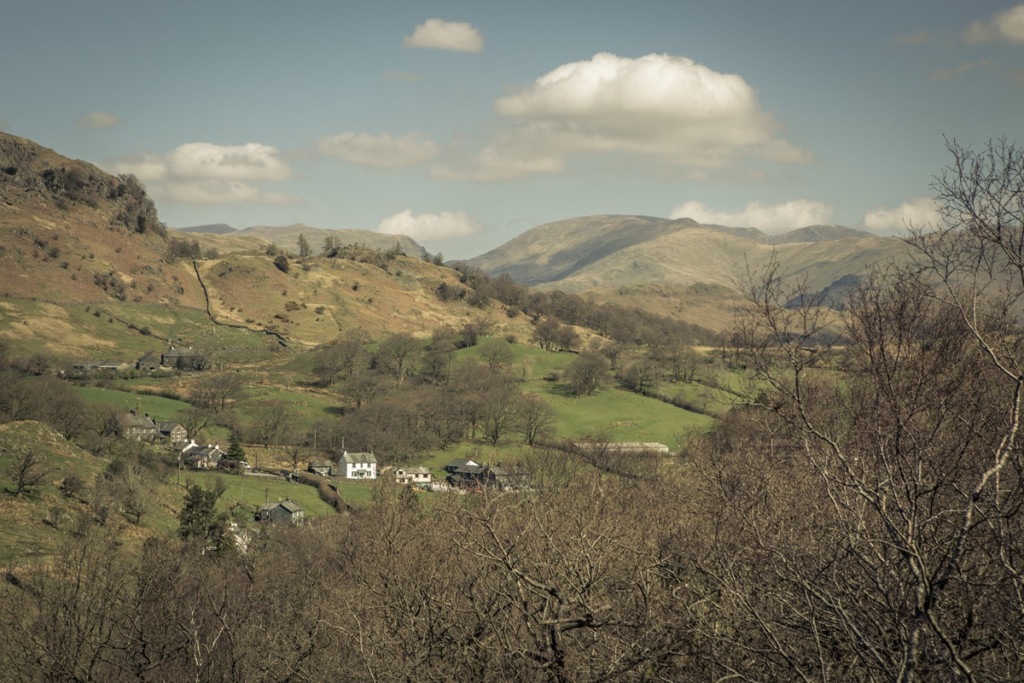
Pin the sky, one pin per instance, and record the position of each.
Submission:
(464, 124)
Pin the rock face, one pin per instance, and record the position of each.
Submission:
(38, 178)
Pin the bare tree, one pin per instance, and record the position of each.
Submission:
(398, 354)
(28, 467)
(497, 353)
(869, 518)
(536, 418)
(272, 420)
(213, 392)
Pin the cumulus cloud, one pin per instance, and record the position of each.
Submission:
(429, 226)
(797, 213)
(1005, 26)
(445, 35)
(661, 106)
(382, 151)
(919, 211)
(99, 119)
(251, 161)
(947, 74)
(205, 173)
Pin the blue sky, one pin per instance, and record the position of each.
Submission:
(463, 124)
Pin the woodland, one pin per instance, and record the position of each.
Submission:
(858, 513)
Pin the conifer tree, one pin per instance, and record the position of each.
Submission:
(235, 450)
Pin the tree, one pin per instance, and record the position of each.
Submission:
(281, 263)
(272, 420)
(497, 353)
(536, 418)
(398, 354)
(195, 420)
(499, 398)
(213, 392)
(642, 377)
(235, 451)
(198, 518)
(28, 467)
(338, 359)
(546, 332)
(304, 248)
(586, 372)
(867, 516)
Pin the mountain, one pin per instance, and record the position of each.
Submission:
(210, 229)
(608, 252)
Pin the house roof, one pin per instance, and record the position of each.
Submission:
(196, 451)
(139, 421)
(289, 505)
(357, 458)
(412, 471)
(470, 469)
(460, 462)
(167, 426)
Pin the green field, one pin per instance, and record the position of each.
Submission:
(158, 407)
(250, 492)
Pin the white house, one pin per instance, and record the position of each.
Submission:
(412, 475)
(358, 465)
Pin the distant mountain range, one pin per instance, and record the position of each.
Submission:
(595, 252)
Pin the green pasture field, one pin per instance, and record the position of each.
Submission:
(159, 408)
(252, 491)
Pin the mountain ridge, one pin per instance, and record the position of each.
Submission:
(607, 251)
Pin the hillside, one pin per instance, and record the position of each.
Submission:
(593, 252)
(287, 237)
(88, 270)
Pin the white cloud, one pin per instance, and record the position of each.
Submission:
(797, 213)
(500, 162)
(382, 151)
(947, 74)
(429, 226)
(205, 173)
(919, 211)
(147, 168)
(1004, 26)
(445, 35)
(661, 106)
(99, 119)
(218, 192)
(251, 161)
